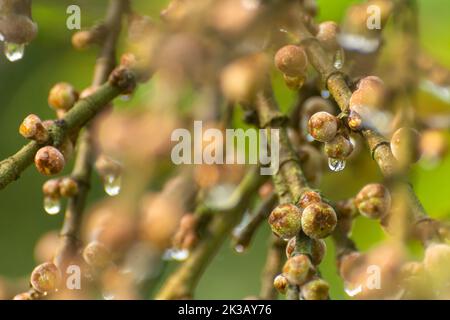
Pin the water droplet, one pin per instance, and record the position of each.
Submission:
(176, 254)
(52, 205)
(239, 248)
(356, 42)
(14, 51)
(2, 37)
(339, 59)
(325, 94)
(112, 184)
(336, 165)
(351, 289)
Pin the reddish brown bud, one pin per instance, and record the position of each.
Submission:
(291, 60)
(96, 255)
(281, 283)
(308, 198)
(51, 188)
(323, 126)
(327, 35)
(49, 161)
(33, 128)
(339, 148)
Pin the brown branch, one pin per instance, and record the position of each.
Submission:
(83, 163)
(337, 85)
(181, 284)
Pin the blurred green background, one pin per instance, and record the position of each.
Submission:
(24, 86)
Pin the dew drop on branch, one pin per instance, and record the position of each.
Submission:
(239, 248)
(112, 184)
(52, 205)
(336, 165)
(176, 254)
(14, 51)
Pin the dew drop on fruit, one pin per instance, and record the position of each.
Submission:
(112, 184)
(14, 51)
(336, 165)
(52, 205)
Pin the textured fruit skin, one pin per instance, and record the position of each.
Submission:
(308, 198)
(323, 126)
(373, 201)
(291, 60)
(285, 220)
(49, 161)
(405, 145)
(318, 220)
(33, 128)
(62, 96)
(316, 289)
(281, 284)
(51, 188)
(45, 277)
(339, 148)
(298, 269)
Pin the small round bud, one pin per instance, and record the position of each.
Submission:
(68, 187)
(316, 289)
(318, 250)
(323, 126)
(280, 283)
(33, 128)
(49, 161)
(318, 220)
(285, 220)
(291, 60)
(51, 188)
(371, 93)
(373, 201)
(62, 96)
(96, 255)
(327, 35)
(45, 277)
(314, 105)
(355, 121)
(437, 262)
(339, 148)
(350, 264)
(298, 269)
(405, 145)
(81, 40)
(308, 198)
